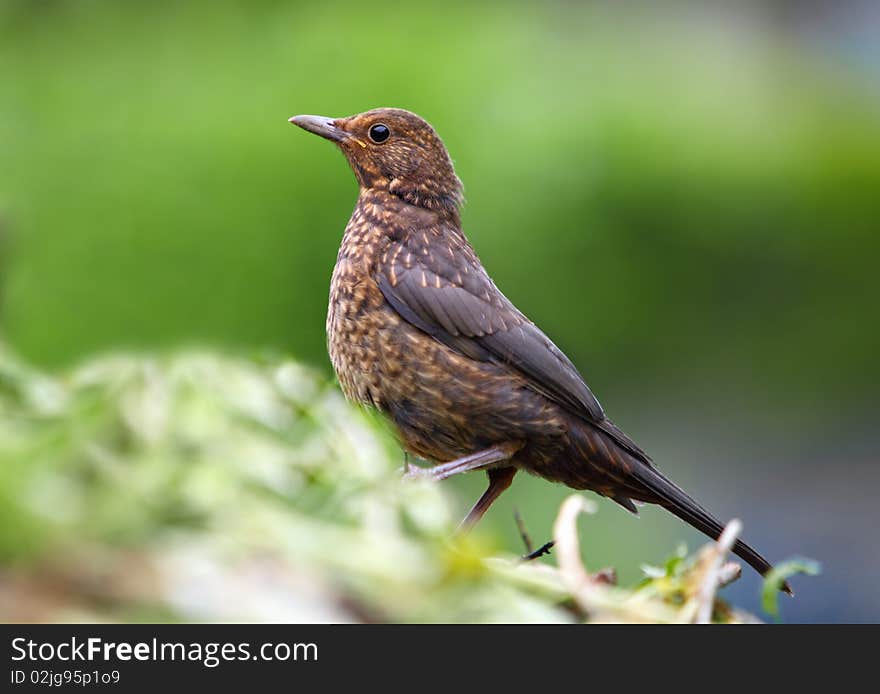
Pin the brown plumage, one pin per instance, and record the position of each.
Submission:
(417, 329)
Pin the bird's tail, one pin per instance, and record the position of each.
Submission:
(675, 500)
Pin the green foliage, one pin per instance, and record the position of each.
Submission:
(780, 573)
(201, 487)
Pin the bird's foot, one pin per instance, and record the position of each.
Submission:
(540, 552)
(414, 472)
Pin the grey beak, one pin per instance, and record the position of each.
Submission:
(320, 125)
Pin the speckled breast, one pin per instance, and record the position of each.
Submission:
(356, 319)
(443, 404)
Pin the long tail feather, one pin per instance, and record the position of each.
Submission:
(677, 501)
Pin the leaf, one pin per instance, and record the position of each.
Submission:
(653, 571)
(778, 575)
(674, 562)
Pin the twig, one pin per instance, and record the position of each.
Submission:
(712, 578)
(602, 602)
(527, 541)
(730, 572)
(574, 575)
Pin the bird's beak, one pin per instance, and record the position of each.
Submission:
(321, 125)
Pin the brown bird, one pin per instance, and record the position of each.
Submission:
(417, 329)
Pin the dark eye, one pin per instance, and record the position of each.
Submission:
(379, 133)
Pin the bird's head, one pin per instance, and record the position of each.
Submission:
(394, 150)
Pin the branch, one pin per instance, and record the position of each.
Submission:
(713, 577)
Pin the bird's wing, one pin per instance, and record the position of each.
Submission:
(433, 279)
(442, 289)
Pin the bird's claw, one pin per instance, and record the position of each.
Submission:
(414, 472)
(540, 552)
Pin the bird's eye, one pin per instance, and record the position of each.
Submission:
(379, 133)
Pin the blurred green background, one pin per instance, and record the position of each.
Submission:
(685, 198)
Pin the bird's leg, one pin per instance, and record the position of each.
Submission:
(474, 461)
(499, 480)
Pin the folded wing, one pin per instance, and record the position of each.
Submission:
(442, 289)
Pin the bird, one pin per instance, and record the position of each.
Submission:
(417, 329)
